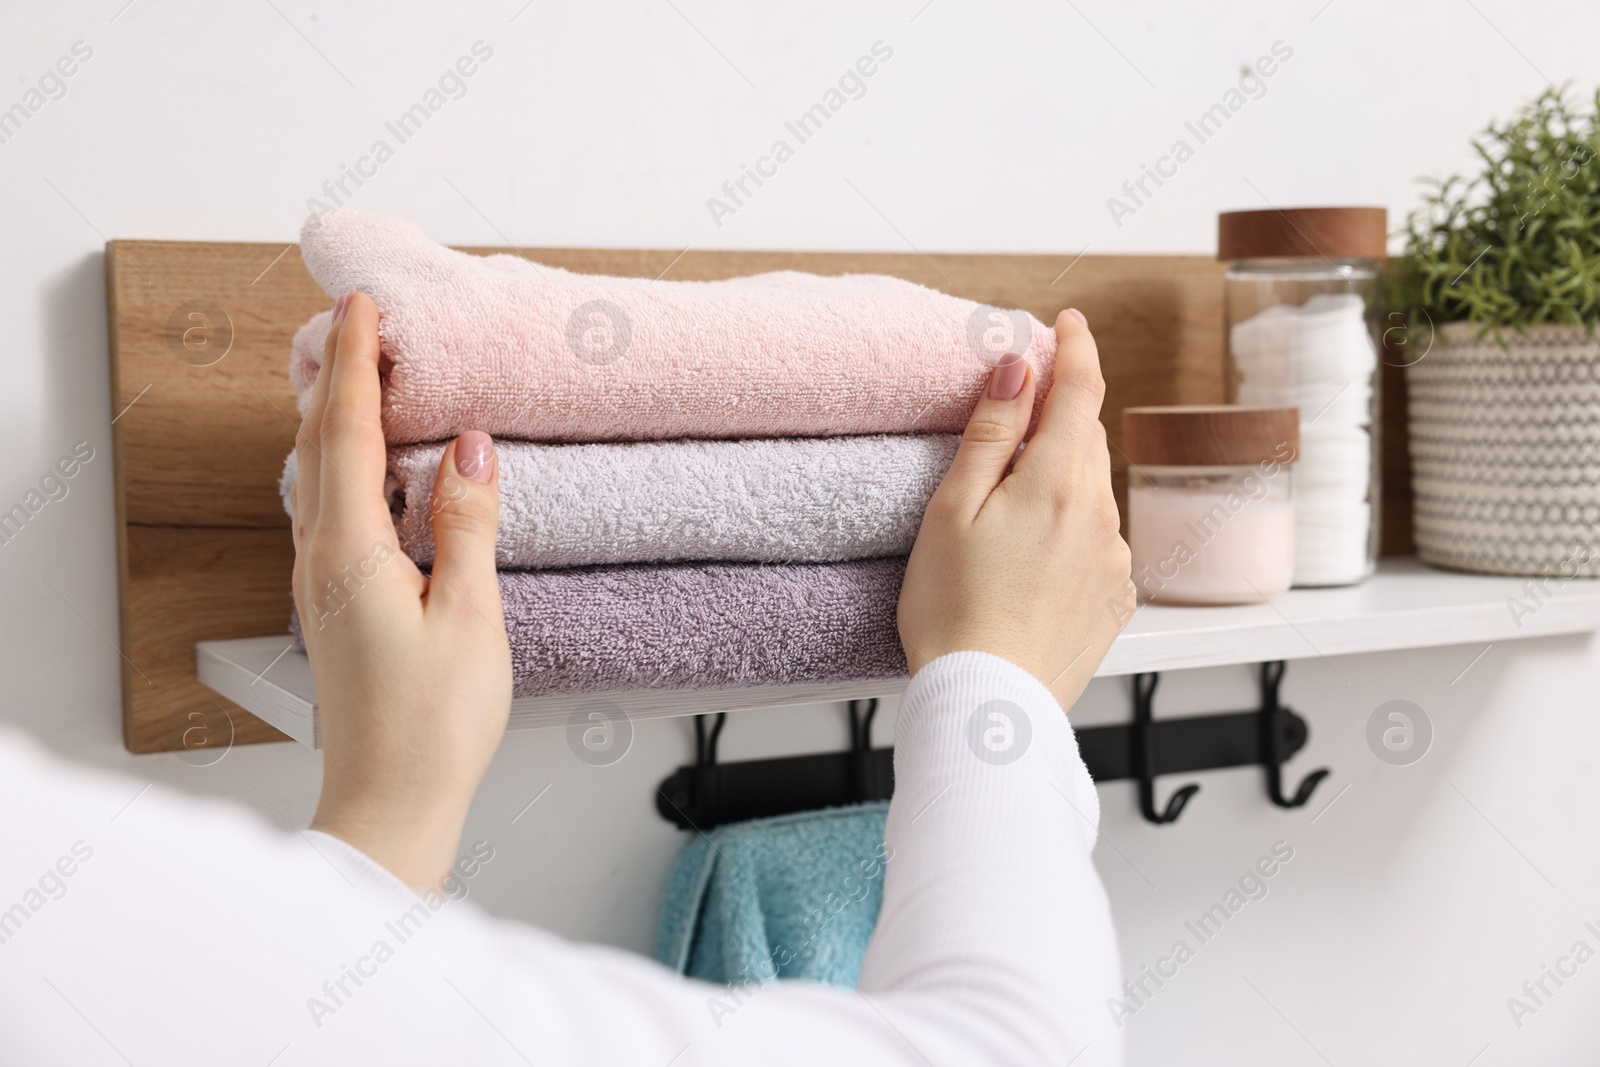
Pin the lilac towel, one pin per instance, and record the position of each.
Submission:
(504, 345)
(700, 626)
(764, 500)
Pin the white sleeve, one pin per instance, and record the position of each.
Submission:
(140, 926)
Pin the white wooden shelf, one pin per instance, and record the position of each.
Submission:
(1406, 605)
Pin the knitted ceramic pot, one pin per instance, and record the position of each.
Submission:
(1505, 451)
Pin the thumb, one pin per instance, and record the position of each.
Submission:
(466, 517)
(990, 440)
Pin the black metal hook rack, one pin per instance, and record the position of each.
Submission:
(709, 793)
(1144, 749)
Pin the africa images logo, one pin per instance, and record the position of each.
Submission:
(999, 732)
(1399, 732)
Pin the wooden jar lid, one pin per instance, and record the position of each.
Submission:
(1210, 435)
(1316, 232)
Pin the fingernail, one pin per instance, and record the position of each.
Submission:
(1006, 381)
(1075, 313)
(339, 306)
(475, 455)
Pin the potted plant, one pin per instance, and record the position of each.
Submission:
(1499, 294)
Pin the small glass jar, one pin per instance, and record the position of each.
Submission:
(1211, 502)
(1302, 331)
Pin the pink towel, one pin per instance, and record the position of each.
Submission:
(508, 346)
(699, 626)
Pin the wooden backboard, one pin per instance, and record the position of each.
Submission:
(200, 336)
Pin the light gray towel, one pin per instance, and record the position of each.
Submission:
(772, 500)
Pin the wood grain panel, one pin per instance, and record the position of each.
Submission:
(188, 584)
(1395, 518)
(204, 441)
(200, 336)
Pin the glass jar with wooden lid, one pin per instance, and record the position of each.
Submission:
(1211, 502)
(1302, 322)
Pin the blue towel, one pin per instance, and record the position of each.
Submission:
(795, 896)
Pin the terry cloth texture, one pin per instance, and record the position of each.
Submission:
(763, 500)
(516, 349)
(698, 625)
(795, 896)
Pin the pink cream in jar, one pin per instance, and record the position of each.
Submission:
(1211, 515)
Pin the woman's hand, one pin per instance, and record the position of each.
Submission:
(1027, 565)
(413, 674)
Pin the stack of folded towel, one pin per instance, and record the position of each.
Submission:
(703, 485)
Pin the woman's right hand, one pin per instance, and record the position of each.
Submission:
(1025, 560)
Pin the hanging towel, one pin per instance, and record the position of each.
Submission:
(516, 349)
(795, 896)
(695, 625)
(763, 500)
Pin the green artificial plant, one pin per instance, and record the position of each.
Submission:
(1519, 243)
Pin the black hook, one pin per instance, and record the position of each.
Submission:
(1281, 733)
(863, 769)
(1144, 755)
(861, 724)
(707, 779)
(705, 749)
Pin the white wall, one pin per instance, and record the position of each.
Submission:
(1412, 909)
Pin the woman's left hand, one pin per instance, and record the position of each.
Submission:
(413, 673)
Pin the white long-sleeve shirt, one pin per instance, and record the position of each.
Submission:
(172, 931)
